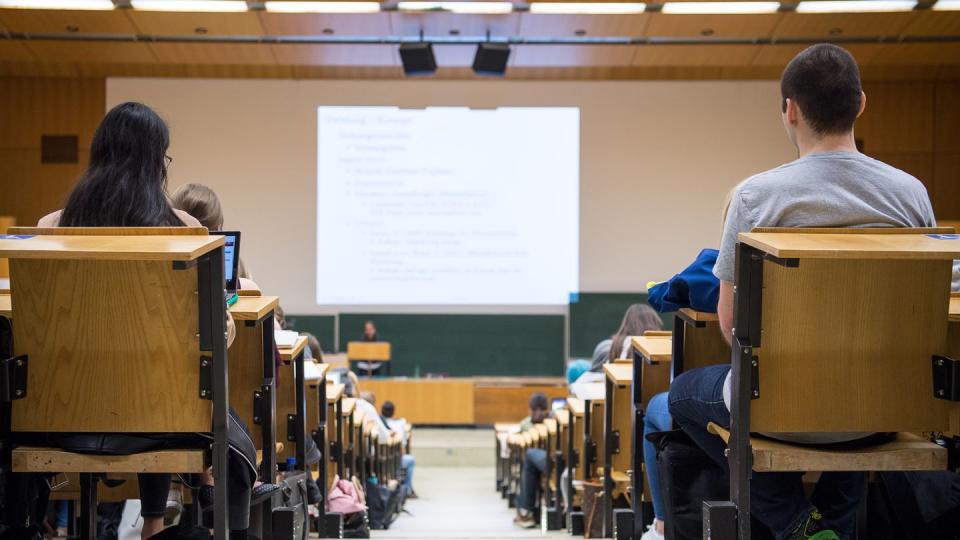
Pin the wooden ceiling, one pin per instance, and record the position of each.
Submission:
(145, 57)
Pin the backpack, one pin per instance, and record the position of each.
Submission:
(687, 478)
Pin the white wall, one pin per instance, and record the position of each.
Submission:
(657, 159)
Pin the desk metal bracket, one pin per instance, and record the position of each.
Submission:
(787, 263)
(206, 378)
(261, 400)
(291, 427)
(14, 375)
(755, 373)
(946, 378)
(615, 441)
(590, 451)
(335, 450)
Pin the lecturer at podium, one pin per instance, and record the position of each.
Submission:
(369, 335)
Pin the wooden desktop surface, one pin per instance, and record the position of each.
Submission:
(575, 405)
(954, 315)
(334, 392)
(288, 354)
(253, 308)
(6, 310)
(620, 374)
(655, 349)
(852, 245)
(154, 248)
(698, 316)
(348, 406)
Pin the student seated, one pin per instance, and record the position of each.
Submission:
(830, 185)
(125, 186)
(408, 462)
(639, 318)
(534, 464)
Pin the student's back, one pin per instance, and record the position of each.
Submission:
(825, 189)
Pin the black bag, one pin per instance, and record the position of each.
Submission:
(289, 509)
(356, 525)
(916, 504)
(687, 478)
(383, 505)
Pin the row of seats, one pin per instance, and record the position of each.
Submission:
(124, 331)
(895, 335)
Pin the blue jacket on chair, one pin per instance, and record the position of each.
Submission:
(695, 287)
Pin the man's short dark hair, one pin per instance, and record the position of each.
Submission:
(538, 401)
(824, 81)
(387, 410)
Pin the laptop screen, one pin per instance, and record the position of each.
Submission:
(231, 257)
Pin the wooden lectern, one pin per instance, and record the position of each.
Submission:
(369, 351)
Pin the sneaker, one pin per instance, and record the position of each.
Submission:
(812, 528)
(61, 532)
(171, 515)
(525, 520)
(651, 534)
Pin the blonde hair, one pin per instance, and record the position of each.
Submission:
(200, 202)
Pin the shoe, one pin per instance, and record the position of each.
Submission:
(61, 532)
(651, 534)
(171, 516)
(413, 495)
(262, 492)
(812, 528)
(525, 520)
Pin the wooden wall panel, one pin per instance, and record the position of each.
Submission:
(31, 108)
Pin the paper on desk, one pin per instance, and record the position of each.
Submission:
(285, 339)
(589, 391)
(4, 283)
(311, 371)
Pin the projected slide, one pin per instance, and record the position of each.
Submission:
(447, 206)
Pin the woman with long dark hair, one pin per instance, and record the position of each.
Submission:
(125, 185)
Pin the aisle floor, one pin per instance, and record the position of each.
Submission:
(458, 503)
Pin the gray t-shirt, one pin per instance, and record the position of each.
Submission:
(826, 189)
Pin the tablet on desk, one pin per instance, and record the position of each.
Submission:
(231, 262)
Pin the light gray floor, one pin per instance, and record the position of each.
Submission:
(458, 500)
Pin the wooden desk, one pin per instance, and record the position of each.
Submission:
(253, 376)
(617, 419)
(953, 315)
(288, 354)
(144, 248)
(888, 244)
(5, 223)
(6, 309)
(370, 352)
(653, 349)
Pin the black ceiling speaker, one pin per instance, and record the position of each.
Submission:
(418, 59)
(491, 59)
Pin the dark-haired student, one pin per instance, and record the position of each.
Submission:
(831, 184)
(125, 186)
(408, 462)
(369, 335)
(534, 464)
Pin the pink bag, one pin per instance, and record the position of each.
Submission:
(343, 498)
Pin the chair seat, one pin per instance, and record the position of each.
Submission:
(39, 460)
(907, 452)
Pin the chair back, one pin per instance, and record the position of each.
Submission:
(110, 326)
(850, 322)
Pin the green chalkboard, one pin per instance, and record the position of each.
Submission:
(597, 316)
(465, 345)
(321, 326)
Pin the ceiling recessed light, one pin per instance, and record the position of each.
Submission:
(719, 8)
(101, 5)
(321, 7)
(212, 6)
(475, 8)
(855, 6)
(587, 8)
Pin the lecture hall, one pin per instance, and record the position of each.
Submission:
(480, 269)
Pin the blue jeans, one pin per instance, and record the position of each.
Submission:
(408, 463)
(534, 465)
(776, 499)
(656, 418)
(63, 514)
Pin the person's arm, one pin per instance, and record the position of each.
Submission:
(725, 310)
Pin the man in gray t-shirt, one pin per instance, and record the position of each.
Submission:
(830, 185)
